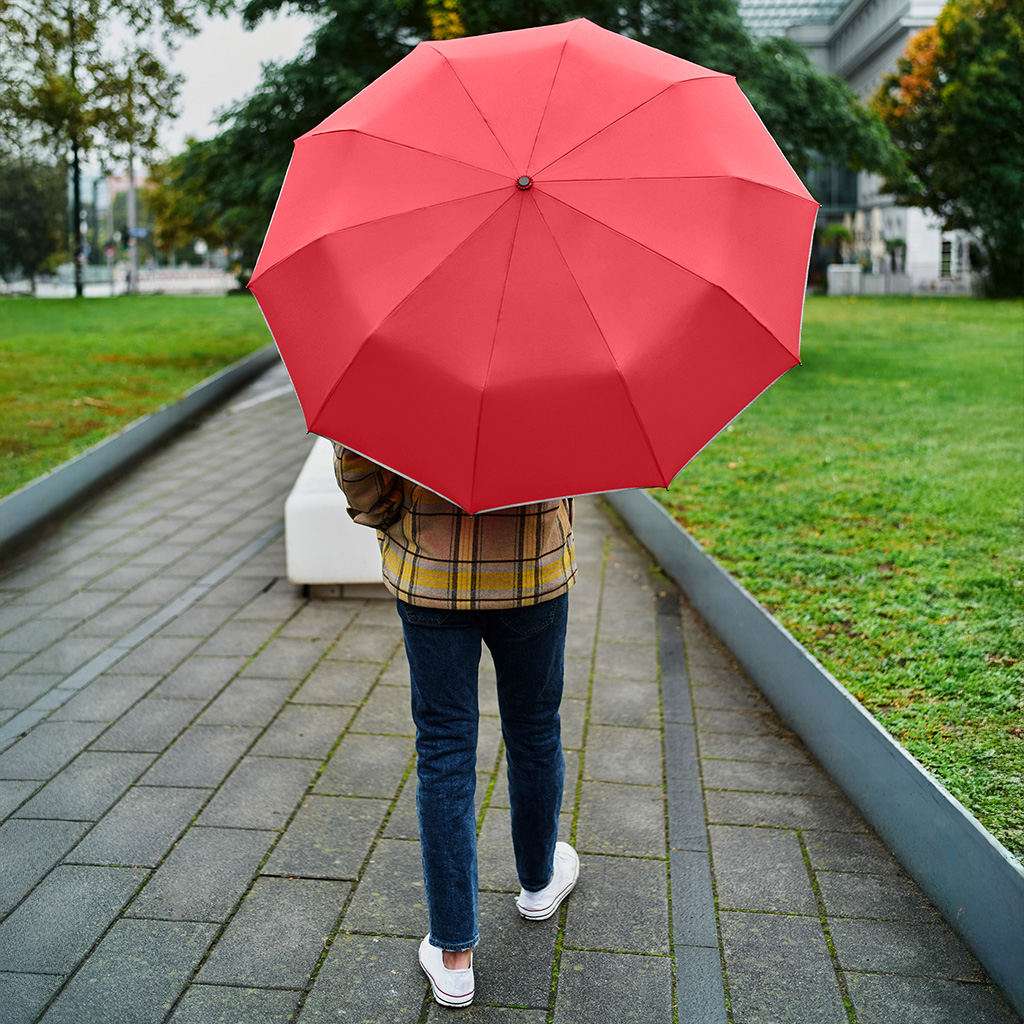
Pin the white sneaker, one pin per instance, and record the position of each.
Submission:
(539, 906)
(450, 988)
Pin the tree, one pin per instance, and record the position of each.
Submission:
(955, 107)
(71, 84)
(814, 118)
(32, 215)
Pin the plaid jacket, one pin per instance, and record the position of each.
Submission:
(438, 556)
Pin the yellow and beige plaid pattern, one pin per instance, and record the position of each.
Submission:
(436, 555)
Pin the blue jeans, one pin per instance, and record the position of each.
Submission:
(528, 647)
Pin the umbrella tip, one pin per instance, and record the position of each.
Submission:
(524, 183)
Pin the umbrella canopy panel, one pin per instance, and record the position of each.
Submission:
(535, 264)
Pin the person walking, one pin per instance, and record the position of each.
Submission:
(501, 579)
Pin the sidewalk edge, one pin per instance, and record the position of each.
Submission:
(971, 878)
(30, 507)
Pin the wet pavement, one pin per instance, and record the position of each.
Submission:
(207, 793)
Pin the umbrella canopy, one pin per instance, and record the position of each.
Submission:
(536, 264)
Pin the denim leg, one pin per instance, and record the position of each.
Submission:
(528, 646)
(444, 658)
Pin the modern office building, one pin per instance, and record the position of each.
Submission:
(861, 40)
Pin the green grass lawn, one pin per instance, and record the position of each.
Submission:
(872, 499)
(73, 372)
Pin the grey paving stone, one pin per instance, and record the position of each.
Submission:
(755, 776)
(479, 1013)
(390, 899)
(805, 812)
(63, 916)
(64, 656)
(248, 702)
(619, 819)
(773, 749)
(140, 828)
(761, 869)
(23, 996)
(367, 766)
(150, 726)
(135, 974)
(201, 756)
(105, 699)
(160, 590)
(304, 731)
(204, 876)
(364, 642)
(28, 850)
(881, 897)
(619, 904)
(846, 851)
(13, 794)
(286, 658)
(736, 723)
(729, 693)
(629, 989)
(156, 656)
(225, 1004)
(329, 837)
(14, 614)
(681, 761)
(619, 702)
(621, 754)
(515, 957)
(576, 678)
(900, 948)
(235, 591)
(260, 793)
(18, 691)
(496, 863)
(700, 992)
(277, 936)
(637, 662)
(693, 899)
(385, 711)
(276, 605)
(237, 637)
(200, 676)
(634, 627)
(34, 635)
(320, 620)
(87, 788)
(882, 999)
(367, 978)
(46, 749)
(779, 970)
(118, 619)
(338, 682)
(198, 622)
(573, 714)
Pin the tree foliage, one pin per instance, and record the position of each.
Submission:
(814, 118)
(32, 215)
(955, 107)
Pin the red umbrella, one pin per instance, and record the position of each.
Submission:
(535, 264)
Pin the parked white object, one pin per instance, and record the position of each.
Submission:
(322, 544)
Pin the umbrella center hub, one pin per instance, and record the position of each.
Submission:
(524, 183)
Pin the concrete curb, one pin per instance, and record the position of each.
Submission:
(970, 877)
(27, 509)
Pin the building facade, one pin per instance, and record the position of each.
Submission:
(861, 41)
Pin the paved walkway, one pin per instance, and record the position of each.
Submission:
(207, 794)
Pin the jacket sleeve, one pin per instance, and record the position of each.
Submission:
(374, 494)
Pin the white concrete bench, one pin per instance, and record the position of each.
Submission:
(324, 549)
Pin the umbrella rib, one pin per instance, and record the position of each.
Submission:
(414, 149)
(551, 89)
(632, 110)
(490, 355)
(405, 298)
(611, 353)
(377, 220)
(476, 106)
(685, 270)
(687, 177)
